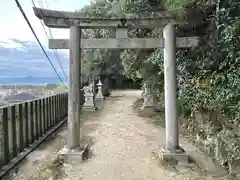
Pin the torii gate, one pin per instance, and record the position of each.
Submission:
(77, 21)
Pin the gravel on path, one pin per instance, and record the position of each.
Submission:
(122, 144)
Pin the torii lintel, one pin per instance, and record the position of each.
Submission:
(65, 19)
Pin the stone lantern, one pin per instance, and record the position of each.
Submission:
(99, 95)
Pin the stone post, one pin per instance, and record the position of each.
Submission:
(94, 86)
(74, 88)
(170, 89)
(156, 103)
(143, 92)
(147, 99)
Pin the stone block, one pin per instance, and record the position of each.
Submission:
(89, 108)
(74, 156)
(177, 158)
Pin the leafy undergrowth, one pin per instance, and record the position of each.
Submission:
(216, 145)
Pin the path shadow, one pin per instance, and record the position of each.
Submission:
(57, 139)
(115, 98)
(149, 114)
(157, 119)
(90, 121)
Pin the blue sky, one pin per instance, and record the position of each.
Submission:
(18, 49)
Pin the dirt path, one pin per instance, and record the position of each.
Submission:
(122, 145)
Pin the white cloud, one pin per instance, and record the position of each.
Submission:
(13, 24)
(9, 43)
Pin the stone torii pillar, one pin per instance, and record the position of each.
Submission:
(170, 90)
(74, 88)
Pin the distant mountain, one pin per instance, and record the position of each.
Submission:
(30, 80)
(23, 62)
(24, 96)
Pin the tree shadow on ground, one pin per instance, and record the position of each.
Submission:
(157, 118)
(151, 116)
(114, 99)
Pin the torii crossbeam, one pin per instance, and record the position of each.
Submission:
(64, 19)
(123, 43)
(77, 21)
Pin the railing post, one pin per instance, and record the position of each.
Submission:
(41, 117)
(32, 122)
(44, 115)
(20, 118)
(49, 113)
(52, 110)
(37, 118)
(66, 103)
(14, 132)
(26, 108)
(61, 105)
(57, 108)
(52, 124)
(5, 134)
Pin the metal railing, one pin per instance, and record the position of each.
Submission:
(23, 123)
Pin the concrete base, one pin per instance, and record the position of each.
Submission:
(74, 156)
(99, 96)
(99, 99)
(89, 108)
(178, 157)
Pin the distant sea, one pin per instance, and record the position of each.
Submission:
(30, 80)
